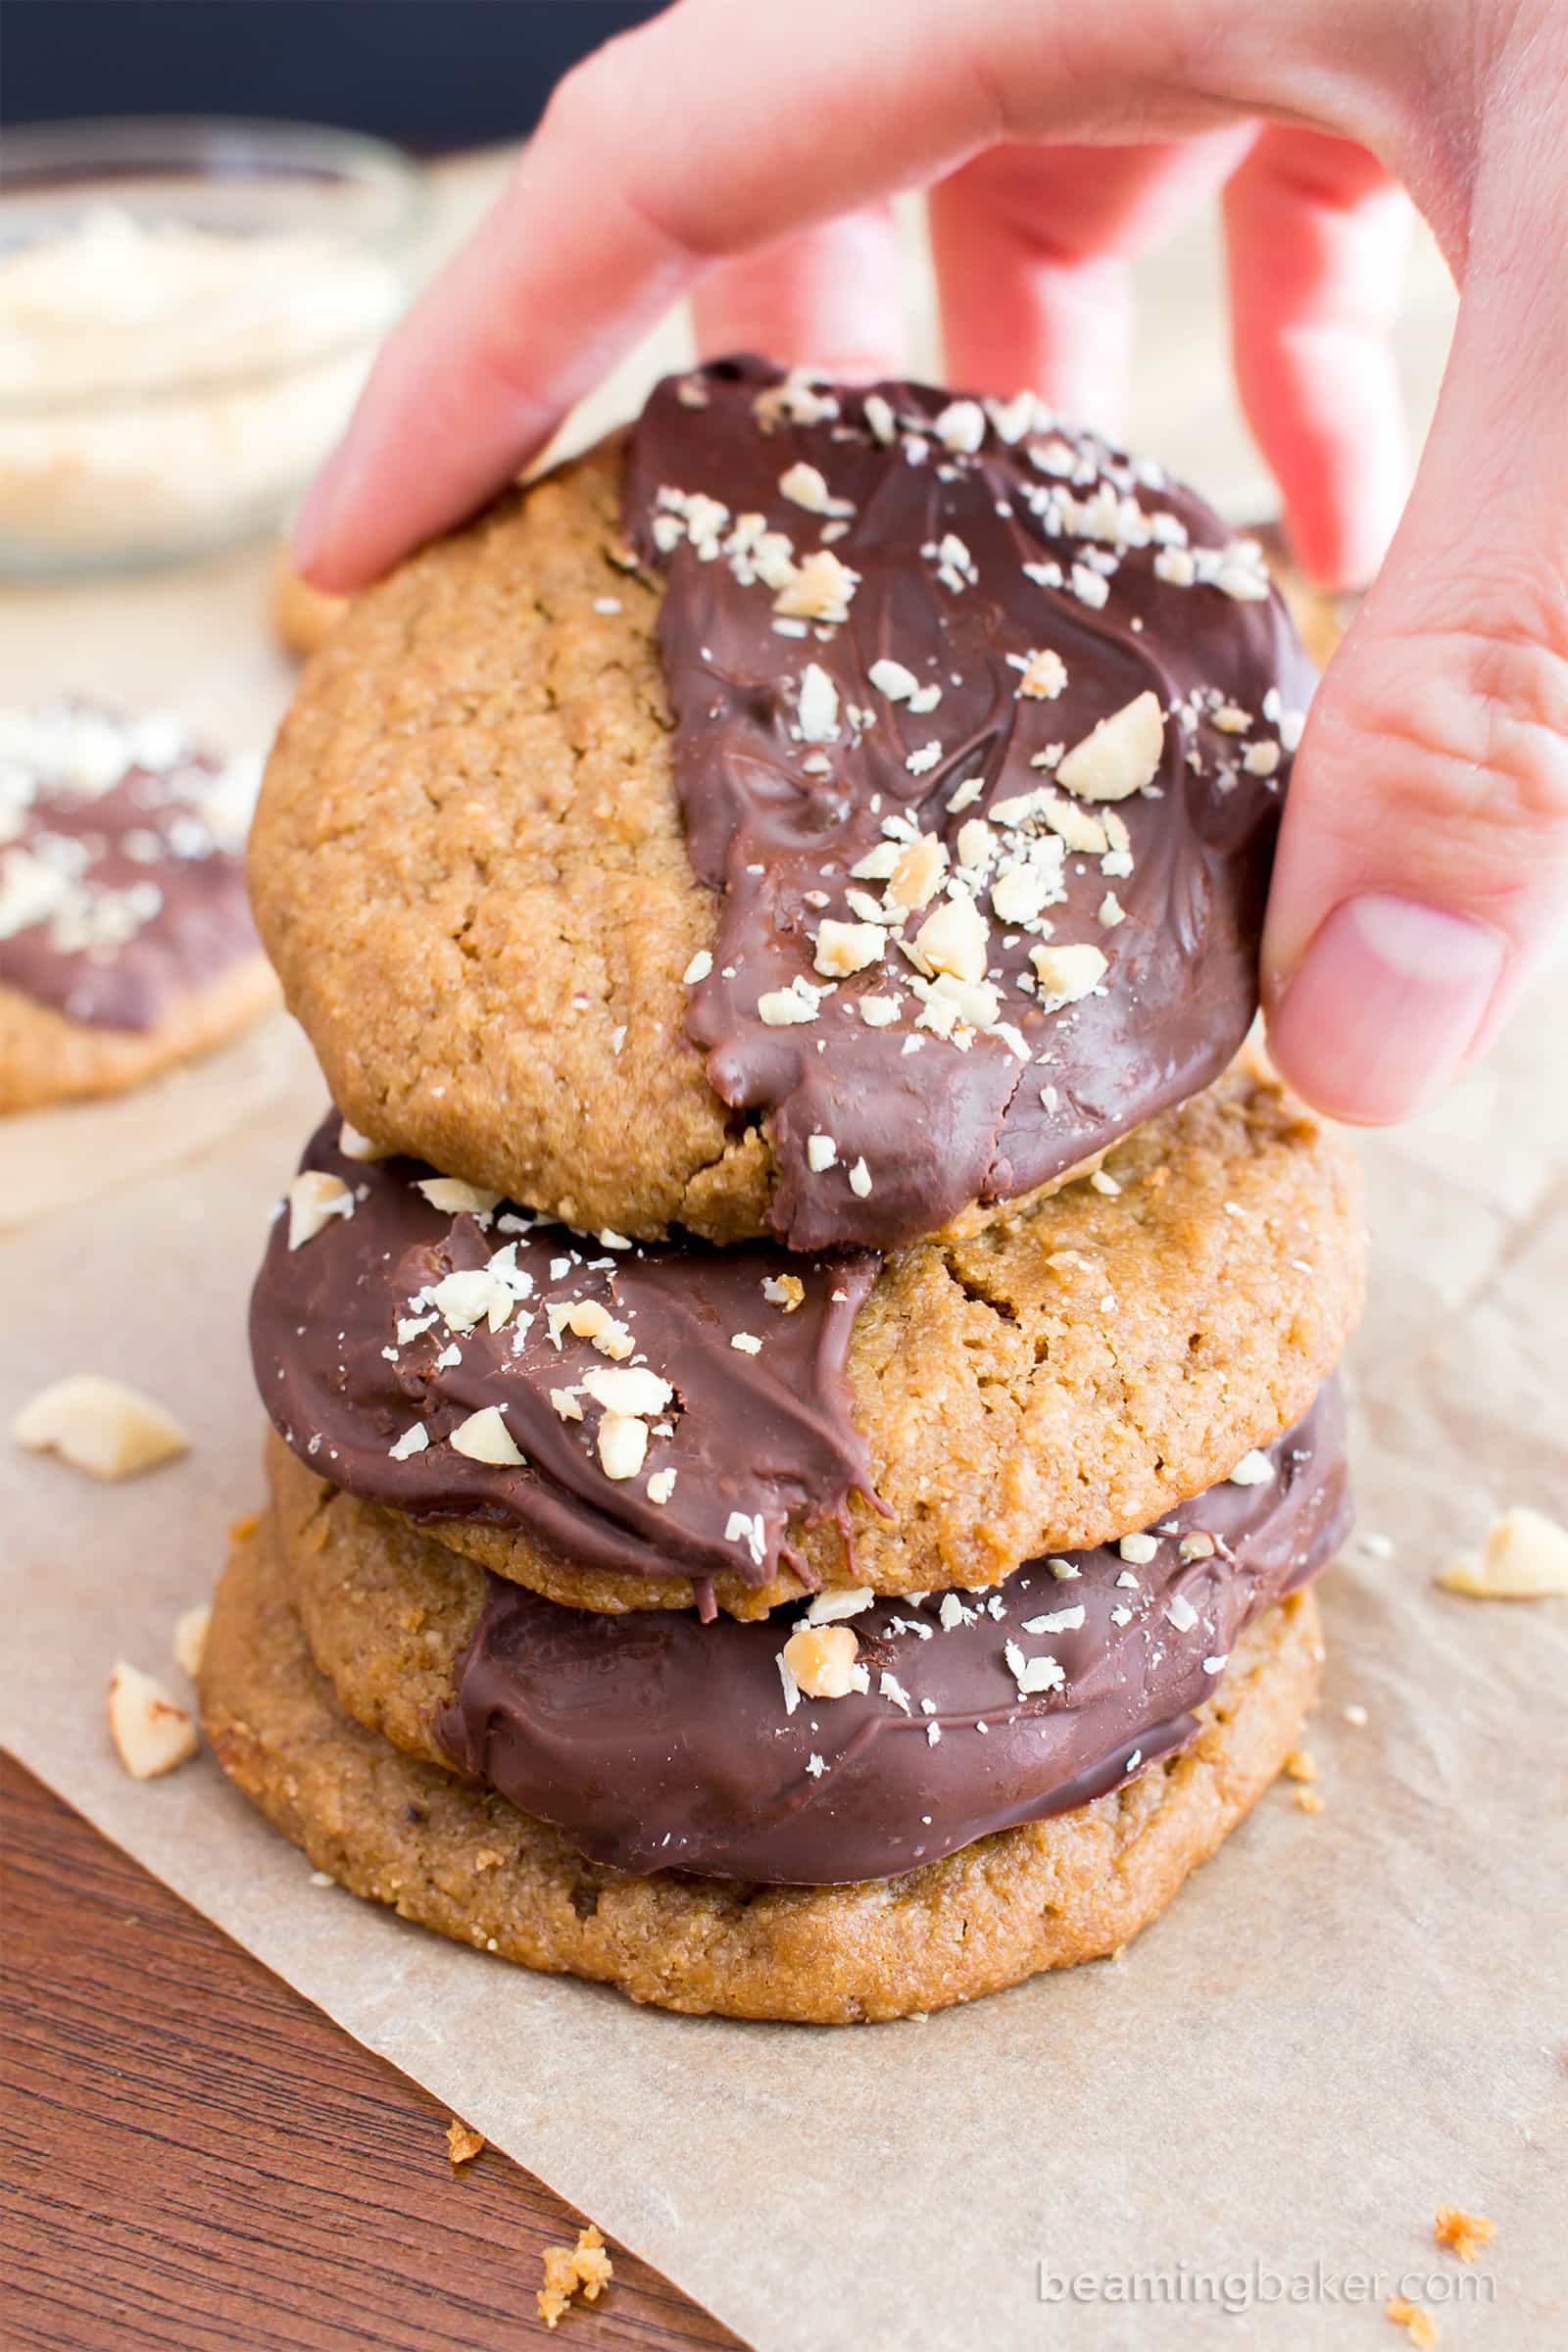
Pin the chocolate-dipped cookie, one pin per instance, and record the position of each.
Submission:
(626, 1426)
(466, 1862)
(125, 941)
(823, 812)
(655, 1741)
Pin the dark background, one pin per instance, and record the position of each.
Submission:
(429, 72)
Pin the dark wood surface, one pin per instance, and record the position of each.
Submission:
(195, 2160)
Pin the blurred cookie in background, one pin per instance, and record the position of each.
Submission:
(125, 936)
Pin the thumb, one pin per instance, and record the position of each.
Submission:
(1423, 864)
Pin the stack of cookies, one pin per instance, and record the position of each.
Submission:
(801, 1361)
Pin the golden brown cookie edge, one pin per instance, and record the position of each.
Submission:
(467, 1864)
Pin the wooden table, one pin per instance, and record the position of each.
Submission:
(195, 2160)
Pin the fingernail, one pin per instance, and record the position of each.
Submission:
(1385, 1005)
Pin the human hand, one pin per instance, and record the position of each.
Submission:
(748, 156)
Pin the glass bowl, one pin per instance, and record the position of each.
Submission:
(187, 310)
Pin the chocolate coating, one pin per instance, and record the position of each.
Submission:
(342, 1388)
(654, 1742)
(777, 813)
(122, 868)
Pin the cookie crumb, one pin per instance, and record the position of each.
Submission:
(463, 2142)
(1300, 1766)
(584, 2269)
(622, 1445)
(1356, 1715)
(99, 1426)
(1307, 1800)
(1464, 2234)
(1419, 2324)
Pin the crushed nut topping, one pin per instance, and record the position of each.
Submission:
(485, 1438)
(823, 1662)
(1255, 1469)
(314, 1199)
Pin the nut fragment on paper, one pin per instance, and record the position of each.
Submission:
(151, 1732)
(100, 1426)
(1525, 1558)
(190, 1639)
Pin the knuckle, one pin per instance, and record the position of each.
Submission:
(1314, 169)
(578, 105)
(1457, 743)
(596, 116)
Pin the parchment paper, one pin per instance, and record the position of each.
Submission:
(1345, 2020)
(72, 1153)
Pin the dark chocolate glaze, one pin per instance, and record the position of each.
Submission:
(654, 1742)
(147, 846)
(940, 1127)
(767, 1435)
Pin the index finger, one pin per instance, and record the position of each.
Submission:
(700, 135)
(652, 161)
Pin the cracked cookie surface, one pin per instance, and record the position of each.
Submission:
(469, 868)
(468, 1864)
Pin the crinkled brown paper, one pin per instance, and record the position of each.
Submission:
(1348, 2017)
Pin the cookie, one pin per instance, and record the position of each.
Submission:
(126, 942)
(910, 1728)
(469, 1865)
(303, 617)
(1065, 1374)
(881, 835)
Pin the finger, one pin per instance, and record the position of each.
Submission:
(1032, 246)
(1318, 234)
(686, 142)
(1423, 867)
(615, 208)
(830, 298)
